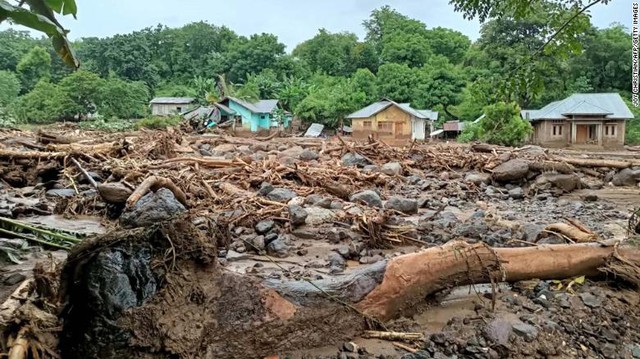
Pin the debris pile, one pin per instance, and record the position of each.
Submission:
(311, 230)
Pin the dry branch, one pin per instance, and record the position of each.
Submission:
(154, 183)
(573, 232)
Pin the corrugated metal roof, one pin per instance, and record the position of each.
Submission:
(370, 110)
(431, 115)
(262, 106)
(381, 105)
(173, 100)
(314, 130)
(453, 126)
(610, 105)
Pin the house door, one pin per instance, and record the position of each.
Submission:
(582, 133)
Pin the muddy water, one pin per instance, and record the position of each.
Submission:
(80, 224)
(460, 302)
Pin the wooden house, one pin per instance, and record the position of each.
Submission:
(390, 120)
(167, 106)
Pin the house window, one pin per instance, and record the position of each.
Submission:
(179, 109)
(366, 125)
(385, 127)
(557, 130)
(263, 116)
(610, 130)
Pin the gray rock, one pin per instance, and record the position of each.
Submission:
(336, 260)
(527, 331)
(278, 248)
(265, 188)
(281, 195)
(270, 237)
(590, 197)
(344, 251)
(392, 169)
(626, 177)
(512, 170)
(233, 256)
(635, 350)
(478, 178)
(318, 215)
(337, 205)
(354, 159)
(369, 197)
(370, 168)
(405, 205)
(516, 193)
(14, 278)
(258, 243)
(205, 153)
(264, 226)
(565, 182)
(324, 203)
(298, 215)
(312, 199)
(498, 331)
(590, 300)
(154, 207)
(532, 231)
(309, 155)
(472, 229)
(61, 193)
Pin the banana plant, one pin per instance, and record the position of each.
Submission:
(40, 16)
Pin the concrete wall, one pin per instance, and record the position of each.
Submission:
(543, 132)
(618, 139)
(400, 125)
(163, 109)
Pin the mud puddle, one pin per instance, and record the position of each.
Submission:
(460, 302)
(81, 224)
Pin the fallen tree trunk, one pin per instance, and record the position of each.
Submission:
(591, 162)
(192, 308)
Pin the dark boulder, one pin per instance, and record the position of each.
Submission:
(151, 209)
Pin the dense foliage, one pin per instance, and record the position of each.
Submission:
(332, 74)
(501, 125)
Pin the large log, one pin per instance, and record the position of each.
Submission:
(174, 300)
(592, 162)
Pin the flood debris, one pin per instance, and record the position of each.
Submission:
(305, 242)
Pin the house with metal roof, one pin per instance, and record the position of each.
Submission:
(166, 106)
(257, 116)
(586, 119)
(387, 119)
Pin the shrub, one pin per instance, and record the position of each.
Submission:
(502, 125)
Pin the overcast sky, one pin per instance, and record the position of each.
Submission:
(293, 21)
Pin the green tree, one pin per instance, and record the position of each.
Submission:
(442, 86)
(45, 103)
(82, 91)
(292, 91)
(252, 55)
(123, 99)
(13, 45)
(9, 88)
(332, 54)
(364, 81)
(405, 48)
(502, 125)
(448, 43)
(330, 102)
(397, 82)
(33, 67)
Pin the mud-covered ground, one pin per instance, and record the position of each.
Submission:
(416, 199)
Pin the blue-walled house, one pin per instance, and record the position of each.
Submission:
(257, 116)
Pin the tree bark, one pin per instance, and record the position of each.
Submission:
(154, 183)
